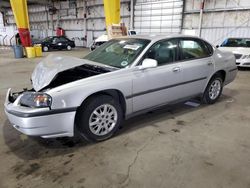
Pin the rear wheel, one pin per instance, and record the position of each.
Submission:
(69, 47)
(213, 90)
(99, 118)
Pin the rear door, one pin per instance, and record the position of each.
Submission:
(64, 42)
(197, 64)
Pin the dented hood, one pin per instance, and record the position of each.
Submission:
(50, 66)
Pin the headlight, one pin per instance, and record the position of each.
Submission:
(245, 56)
(36, 99)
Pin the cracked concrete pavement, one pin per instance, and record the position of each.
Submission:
(177, 146)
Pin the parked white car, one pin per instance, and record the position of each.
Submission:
(120, 79)
(240, 47)
(104, 38)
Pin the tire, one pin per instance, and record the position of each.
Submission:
(69, 48)
(213, 90)
(45, 48)
(103, 126)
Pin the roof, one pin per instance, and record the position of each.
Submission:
(156, 37)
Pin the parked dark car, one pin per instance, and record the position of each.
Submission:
(56, 42)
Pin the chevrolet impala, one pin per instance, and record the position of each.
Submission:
(124, 77)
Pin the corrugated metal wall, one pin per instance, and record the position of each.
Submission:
(96, 18)
(221, 19)
(71, 18)
(151, 16)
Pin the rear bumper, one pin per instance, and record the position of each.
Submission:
(40, 122)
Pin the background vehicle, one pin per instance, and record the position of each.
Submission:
(56, 42)
(104, 38)
(120, 79)
(99, 41)
(240, 47)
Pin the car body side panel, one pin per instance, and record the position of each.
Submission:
(223, 61)
(74, 93)
(199, 69)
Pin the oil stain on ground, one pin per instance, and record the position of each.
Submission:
(180, 122)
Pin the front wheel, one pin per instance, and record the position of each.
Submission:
(45, 48)
(213, 90)
(99, 118)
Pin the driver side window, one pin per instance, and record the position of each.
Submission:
(164, 52)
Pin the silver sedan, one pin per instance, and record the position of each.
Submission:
(122, 78)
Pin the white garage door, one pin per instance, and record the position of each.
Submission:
(158, 16)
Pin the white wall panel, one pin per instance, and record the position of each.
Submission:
(163, 16)
(218, 35)
(221, 19)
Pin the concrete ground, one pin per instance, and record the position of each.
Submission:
(175, 147)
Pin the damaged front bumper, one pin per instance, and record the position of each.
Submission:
(44, 122)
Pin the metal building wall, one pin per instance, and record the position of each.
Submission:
(7, 32)
(96, 18)
(71, 19)
(221, 19)
(158, 16)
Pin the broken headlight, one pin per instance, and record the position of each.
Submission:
(36, 99)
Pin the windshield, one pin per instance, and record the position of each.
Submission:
(236, 42)
(118, 52)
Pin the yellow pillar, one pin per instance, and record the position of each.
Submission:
(20, 11)
(112, 12)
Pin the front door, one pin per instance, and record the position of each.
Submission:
(156, 86)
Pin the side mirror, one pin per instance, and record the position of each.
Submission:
(148, 63)
(217, 46)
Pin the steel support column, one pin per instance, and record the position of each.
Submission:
(201, 17)
(112, 12)
(20, 11)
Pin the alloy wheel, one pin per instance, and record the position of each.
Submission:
(214, 90)
(103, 119)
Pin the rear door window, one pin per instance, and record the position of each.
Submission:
(192, 49)
(62, 39)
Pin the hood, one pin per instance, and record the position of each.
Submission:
(49, 67)
(236, 50)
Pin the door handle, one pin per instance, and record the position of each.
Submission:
(176, 69)
(209, 63)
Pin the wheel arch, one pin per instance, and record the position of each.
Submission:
(222, 73)
(219, 72)
(115, 93)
